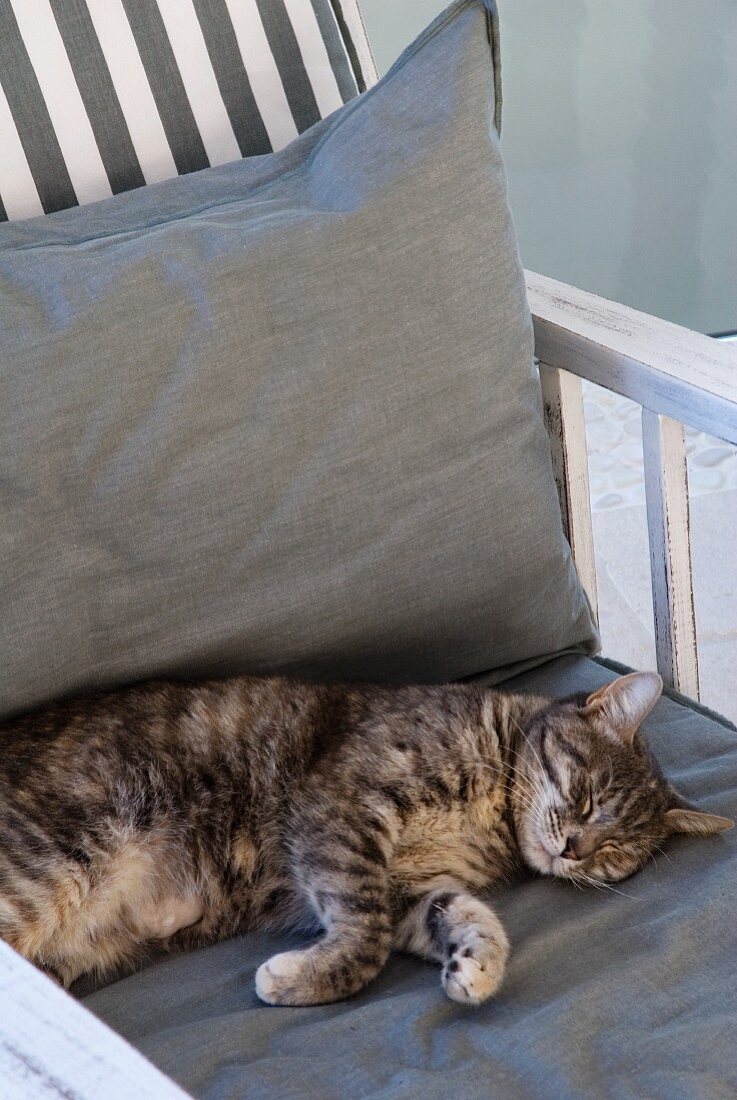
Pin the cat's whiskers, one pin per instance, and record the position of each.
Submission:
(604, 885)
(521, 796)
(540, 801)
(523, 789)
(533, 750)
(537, 792)
(658, 846)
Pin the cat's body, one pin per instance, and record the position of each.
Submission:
(179, 814)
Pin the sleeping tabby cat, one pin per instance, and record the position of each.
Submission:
(179, 814)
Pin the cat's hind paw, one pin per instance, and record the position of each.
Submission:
(278, 980)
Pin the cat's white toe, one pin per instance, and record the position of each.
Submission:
(475, 969)
(468, 982)
(276, 978)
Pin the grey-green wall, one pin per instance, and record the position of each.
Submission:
(620, 136)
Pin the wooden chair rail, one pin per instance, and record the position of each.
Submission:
(50, 1046)
(678, 377)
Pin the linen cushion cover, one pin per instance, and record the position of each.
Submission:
(624, 993)
(99, 96)
(283, 414)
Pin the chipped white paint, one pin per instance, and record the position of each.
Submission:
(51, 1047)
(666, 492)
(564, 417)
(663, 367)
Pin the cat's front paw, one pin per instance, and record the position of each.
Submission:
(476, 965)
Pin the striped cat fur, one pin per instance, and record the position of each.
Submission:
(177, 814)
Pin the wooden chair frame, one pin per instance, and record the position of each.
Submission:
(50, 1046)
(678, 377)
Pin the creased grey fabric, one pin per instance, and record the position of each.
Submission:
(283, 415)
(627, 993)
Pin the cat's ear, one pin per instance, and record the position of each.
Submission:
(626, 702)
(683, 819)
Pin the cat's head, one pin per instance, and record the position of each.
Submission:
(590, 801)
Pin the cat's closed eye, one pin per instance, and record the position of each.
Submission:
(586, 807)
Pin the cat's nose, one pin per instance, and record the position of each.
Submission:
(570, 851)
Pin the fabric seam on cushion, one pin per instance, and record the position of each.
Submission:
(527, 664)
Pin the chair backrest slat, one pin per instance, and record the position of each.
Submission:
(564, 417)
(668, 525)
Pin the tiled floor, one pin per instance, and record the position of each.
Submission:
(620, 538)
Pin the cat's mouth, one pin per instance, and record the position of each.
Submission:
(545, 859)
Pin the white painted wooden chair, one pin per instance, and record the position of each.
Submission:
(50, 1046)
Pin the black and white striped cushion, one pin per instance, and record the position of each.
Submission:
(100, 96)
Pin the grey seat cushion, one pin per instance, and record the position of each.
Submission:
(610, 993)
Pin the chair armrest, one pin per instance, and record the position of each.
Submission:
(665, 368)
(50, 1046)
(678, 377)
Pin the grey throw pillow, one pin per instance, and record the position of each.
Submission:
(283, 414)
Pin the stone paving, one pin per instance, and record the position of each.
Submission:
(614, 436)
